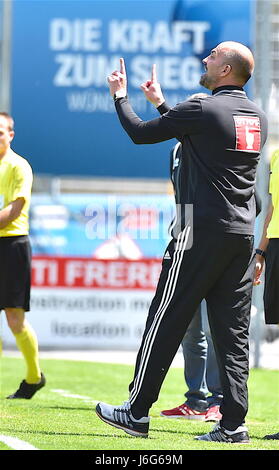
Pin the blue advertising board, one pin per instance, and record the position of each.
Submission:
(101, 226)
(62, 52)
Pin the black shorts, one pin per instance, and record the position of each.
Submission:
(271, 288)
(15, 272)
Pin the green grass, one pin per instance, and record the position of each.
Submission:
(51, 421)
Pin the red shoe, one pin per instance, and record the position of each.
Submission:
(184, 411)
(213, 414)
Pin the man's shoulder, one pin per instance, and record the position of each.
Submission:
(17, 160)
(237, 100)
(186, 106)
(256, 106)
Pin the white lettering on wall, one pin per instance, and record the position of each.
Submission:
(84, 57)
(77, 35)
(134, 36)
(44, 271)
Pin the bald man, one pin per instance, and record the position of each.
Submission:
(211, 255)
(228, 62)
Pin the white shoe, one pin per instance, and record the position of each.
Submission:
(122, 418)
(220, 434)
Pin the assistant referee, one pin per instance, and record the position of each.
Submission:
(15, 255)
(222, 137)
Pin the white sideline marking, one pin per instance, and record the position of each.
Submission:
(16, 443)
(67, 394)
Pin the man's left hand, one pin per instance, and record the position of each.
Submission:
(152, 89)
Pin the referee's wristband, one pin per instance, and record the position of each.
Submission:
(260, 252)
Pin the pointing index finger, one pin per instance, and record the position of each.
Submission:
(122, 66)
(154, 73)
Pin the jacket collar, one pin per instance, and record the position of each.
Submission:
(227, 88)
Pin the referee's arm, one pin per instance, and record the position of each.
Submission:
(11, 212)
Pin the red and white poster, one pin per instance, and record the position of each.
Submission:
(89, 304)
(86, 303)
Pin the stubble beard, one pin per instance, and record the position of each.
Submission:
(206, 82)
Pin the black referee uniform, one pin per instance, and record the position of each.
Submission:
(222, 136)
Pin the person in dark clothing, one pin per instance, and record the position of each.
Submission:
(211, 255)
(200, 364)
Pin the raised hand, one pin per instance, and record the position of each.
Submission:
(152, 89)
(117, 80)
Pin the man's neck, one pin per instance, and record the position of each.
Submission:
(226, 87)
(4, 154)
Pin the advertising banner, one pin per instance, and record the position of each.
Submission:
(101, 225)
(90, 304)
(62, 53)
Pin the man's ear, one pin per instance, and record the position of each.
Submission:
(12, 134)
(226, 70)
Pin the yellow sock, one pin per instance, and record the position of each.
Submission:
(27, 343)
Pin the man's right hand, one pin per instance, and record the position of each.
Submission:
(258, 270)
(117, 80)
(152, 89)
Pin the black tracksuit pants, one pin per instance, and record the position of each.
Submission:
(219, 268)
